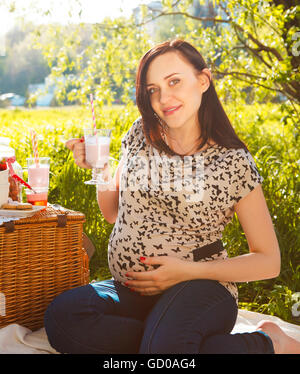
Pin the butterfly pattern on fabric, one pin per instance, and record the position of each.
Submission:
(170, 207)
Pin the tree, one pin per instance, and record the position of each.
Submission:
(251, 47)
(22, 64)
(252, 44)
(99, 59)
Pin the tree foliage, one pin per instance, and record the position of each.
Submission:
(256, 41)
(251, 46)
(99, 59)
(22, 64)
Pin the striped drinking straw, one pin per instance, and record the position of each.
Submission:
(35, 148)
(93, 112)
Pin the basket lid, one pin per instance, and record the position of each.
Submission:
(52, 214)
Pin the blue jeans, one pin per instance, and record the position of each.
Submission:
(107, 318)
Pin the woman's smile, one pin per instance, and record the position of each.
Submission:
(171, 110)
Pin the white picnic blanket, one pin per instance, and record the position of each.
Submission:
(8, 219)
(18, 339)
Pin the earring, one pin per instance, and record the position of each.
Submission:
(156, 116)
(164, 126)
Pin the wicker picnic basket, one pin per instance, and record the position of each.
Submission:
(40, 257)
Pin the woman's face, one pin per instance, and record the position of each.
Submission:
(175, 89)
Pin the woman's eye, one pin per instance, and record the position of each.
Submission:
(151, 91)
(174, 81)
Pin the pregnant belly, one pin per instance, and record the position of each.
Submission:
(122, 259)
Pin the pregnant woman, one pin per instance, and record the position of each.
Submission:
(183, 175)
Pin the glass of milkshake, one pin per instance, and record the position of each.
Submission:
(37, 197)
(38, 179)
(97, 143)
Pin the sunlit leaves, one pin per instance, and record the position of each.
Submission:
(253, 52)
(257, 49)
(99, 59)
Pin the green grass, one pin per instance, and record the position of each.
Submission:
(272, 143)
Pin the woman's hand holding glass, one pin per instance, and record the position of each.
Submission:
(77, 146)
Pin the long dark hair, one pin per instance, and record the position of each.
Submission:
(214, 123)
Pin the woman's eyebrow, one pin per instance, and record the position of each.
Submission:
(168, 76)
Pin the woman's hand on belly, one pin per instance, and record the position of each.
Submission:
(171, 271)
